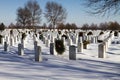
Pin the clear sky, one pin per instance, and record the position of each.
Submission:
(76, 12)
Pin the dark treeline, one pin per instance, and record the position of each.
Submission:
(101, 26)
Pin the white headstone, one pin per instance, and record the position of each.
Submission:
(93, 40)
(52, 48)
(38, 54)
(69, 42)
(35, 46)
(11, 41)
(2, 41)
(20, 49)
(101, 51)
(72, 52)
(80, 47)
(47, 42)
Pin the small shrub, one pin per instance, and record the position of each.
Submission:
(73, 31)
(41, 36)
(65, 32)
(117, 42)
(11, 32)
(59, 32)
(110, 31)
(29, 32)
(1, 38)
(85, 43)
(23, 36)
(113, 42)
(59, 46)
(99, 41)
(66, 37)
(44, 30)
(80, 34)
(101, 33)
(89, 33)
(36, 35)
(40, 32)
(115, 33)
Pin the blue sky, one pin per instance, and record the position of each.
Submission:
(76, 12)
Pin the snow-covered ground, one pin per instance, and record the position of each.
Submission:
(87, 66)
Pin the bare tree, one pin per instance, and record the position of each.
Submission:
(103, 6)
(30, 14)
(114, 26)
(103, 26)
(23, 16)
(85, 27)
(55, 13)
(93, 26)
(44, 26)
(35, 12)
(61, 26)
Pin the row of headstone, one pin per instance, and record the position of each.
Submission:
(10, 40)
(37, 51)
(103, 47)
(80, 49)
(79, 45)
(7, 43)
(72, 39)
(72, 51)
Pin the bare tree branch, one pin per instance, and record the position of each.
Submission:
(103, 6)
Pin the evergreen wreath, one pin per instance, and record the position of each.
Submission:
(59, 46)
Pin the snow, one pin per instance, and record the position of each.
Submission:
(56, 67)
